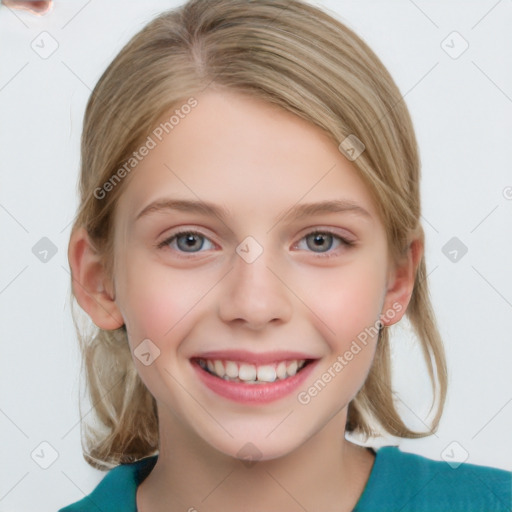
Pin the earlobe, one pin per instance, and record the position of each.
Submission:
(90, 282)
(401, 285)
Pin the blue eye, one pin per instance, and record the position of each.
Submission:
(322, 242)
(319, 242)
(188, 241)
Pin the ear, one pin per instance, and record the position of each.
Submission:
(401, 283)
(90, 283)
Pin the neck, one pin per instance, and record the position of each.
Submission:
(325, 473)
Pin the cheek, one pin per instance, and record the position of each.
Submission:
(157, 300)
(158, 304)
(346, 301)
(346, 304)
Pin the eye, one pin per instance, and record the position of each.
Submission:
(321, 242)
(187, 241)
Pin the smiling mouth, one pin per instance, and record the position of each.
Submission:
(248, 373)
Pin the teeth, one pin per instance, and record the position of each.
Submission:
(266, 373)
(218, 368)
(250, 373)
(231, 369)
(281, 370)
(292, 368)
(247, 372)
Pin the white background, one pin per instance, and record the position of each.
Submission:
(462, 110)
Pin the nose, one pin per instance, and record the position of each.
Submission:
(255, 296)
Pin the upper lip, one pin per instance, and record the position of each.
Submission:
(253, 357)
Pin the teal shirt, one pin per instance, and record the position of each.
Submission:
(398, 481)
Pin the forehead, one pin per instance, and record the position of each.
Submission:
(245, 154)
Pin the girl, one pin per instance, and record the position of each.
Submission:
(248, 232)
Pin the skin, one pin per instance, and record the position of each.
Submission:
(255, 161)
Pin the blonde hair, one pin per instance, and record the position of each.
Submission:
(290, 54)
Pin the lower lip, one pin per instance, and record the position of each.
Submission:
(253, 393)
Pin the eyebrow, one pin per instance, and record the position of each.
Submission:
(296, 212)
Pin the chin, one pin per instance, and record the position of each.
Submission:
(257, 445)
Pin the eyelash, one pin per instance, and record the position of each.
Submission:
(328, 254)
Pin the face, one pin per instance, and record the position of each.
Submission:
(247, 247)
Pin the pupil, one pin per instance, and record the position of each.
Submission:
(319, 241)
(190, 242)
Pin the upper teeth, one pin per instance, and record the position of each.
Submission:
(251, 373)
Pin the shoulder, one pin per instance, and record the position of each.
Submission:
(410, 482)
(117, 490)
